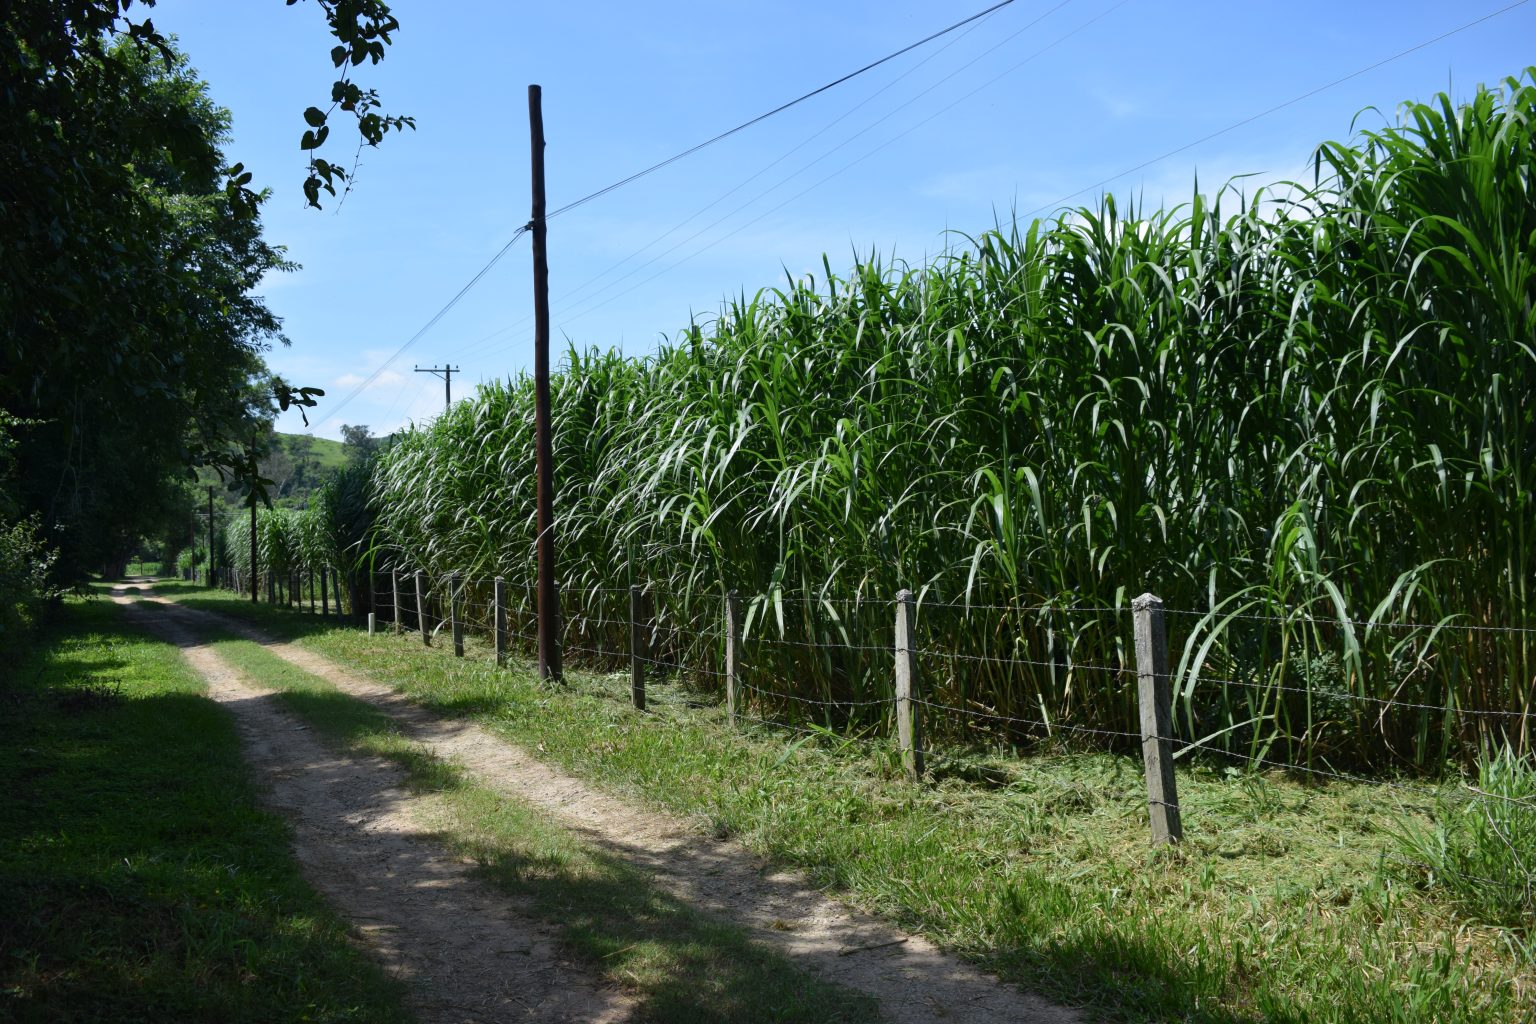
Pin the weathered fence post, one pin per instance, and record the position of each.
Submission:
(311, 575)
(373, 593)
(1154, 697)
(325, 601)
(732, 653)
(453, 615)
(421, 613)
(271, 588)
(639, 646)
(394, 597)
(499, 614)
(908, 726)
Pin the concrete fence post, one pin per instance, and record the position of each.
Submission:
(909, 735)
(499, 613)
(1155, 702)
(421, 612)
(394, 599)
(639, 645)
(454, 617)
(732, 655)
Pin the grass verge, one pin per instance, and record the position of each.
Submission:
(139, 880)
(1276, 907)
(682, 965)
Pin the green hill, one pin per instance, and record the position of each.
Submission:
(329, 455)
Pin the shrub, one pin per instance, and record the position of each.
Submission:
(24, 589)
(1482, 848)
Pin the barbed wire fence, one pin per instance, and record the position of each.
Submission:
(926, 715)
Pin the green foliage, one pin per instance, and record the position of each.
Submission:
(140, 880)
(24, 584)
(25, 560)
(129, 340)
(1310, 403)
(1482, 848)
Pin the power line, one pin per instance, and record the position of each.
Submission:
(776, 110)
(635, 177)
(981, 14)
(567, 318)
(1280, 106)
(1141, 166)
(413, 339)
(575, 294)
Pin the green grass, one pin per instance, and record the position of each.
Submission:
(328, 454)
(139, 880)
(1276, 908)
(1483, 852)
(682, 965)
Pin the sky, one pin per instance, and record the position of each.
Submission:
(1041, 105)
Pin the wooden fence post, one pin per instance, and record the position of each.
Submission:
(908, 726)
(271, 587)
(732, 653)
(453, 615)
(499, 613)
(325, 602)
(421, 613)
(1155, 700)
(639, 645)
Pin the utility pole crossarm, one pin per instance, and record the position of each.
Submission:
(445, 372)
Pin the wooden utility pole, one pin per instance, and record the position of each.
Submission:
(446, 372)
(548, 599)
(254, 573)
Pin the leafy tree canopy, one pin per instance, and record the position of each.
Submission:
(130, 341)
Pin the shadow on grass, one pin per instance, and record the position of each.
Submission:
(138, 879)
(1125, 969)
(682, 964)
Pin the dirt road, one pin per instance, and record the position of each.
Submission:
(354, 822)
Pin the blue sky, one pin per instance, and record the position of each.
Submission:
(1021, 111)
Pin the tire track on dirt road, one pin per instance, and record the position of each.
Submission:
(469, 954)
(914, 981)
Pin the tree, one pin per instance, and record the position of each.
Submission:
(130, 343)
(359, 443)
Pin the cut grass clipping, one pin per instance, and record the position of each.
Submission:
(1276, 908)
(682, 965)
(139, 881)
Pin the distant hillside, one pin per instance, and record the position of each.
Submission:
(298, 463)
(329, 455)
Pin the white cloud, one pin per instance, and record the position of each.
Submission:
(389, 379)
(1116, 104)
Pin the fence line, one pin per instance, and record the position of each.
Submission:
(651, 640)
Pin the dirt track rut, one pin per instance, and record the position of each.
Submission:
(914, 981)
